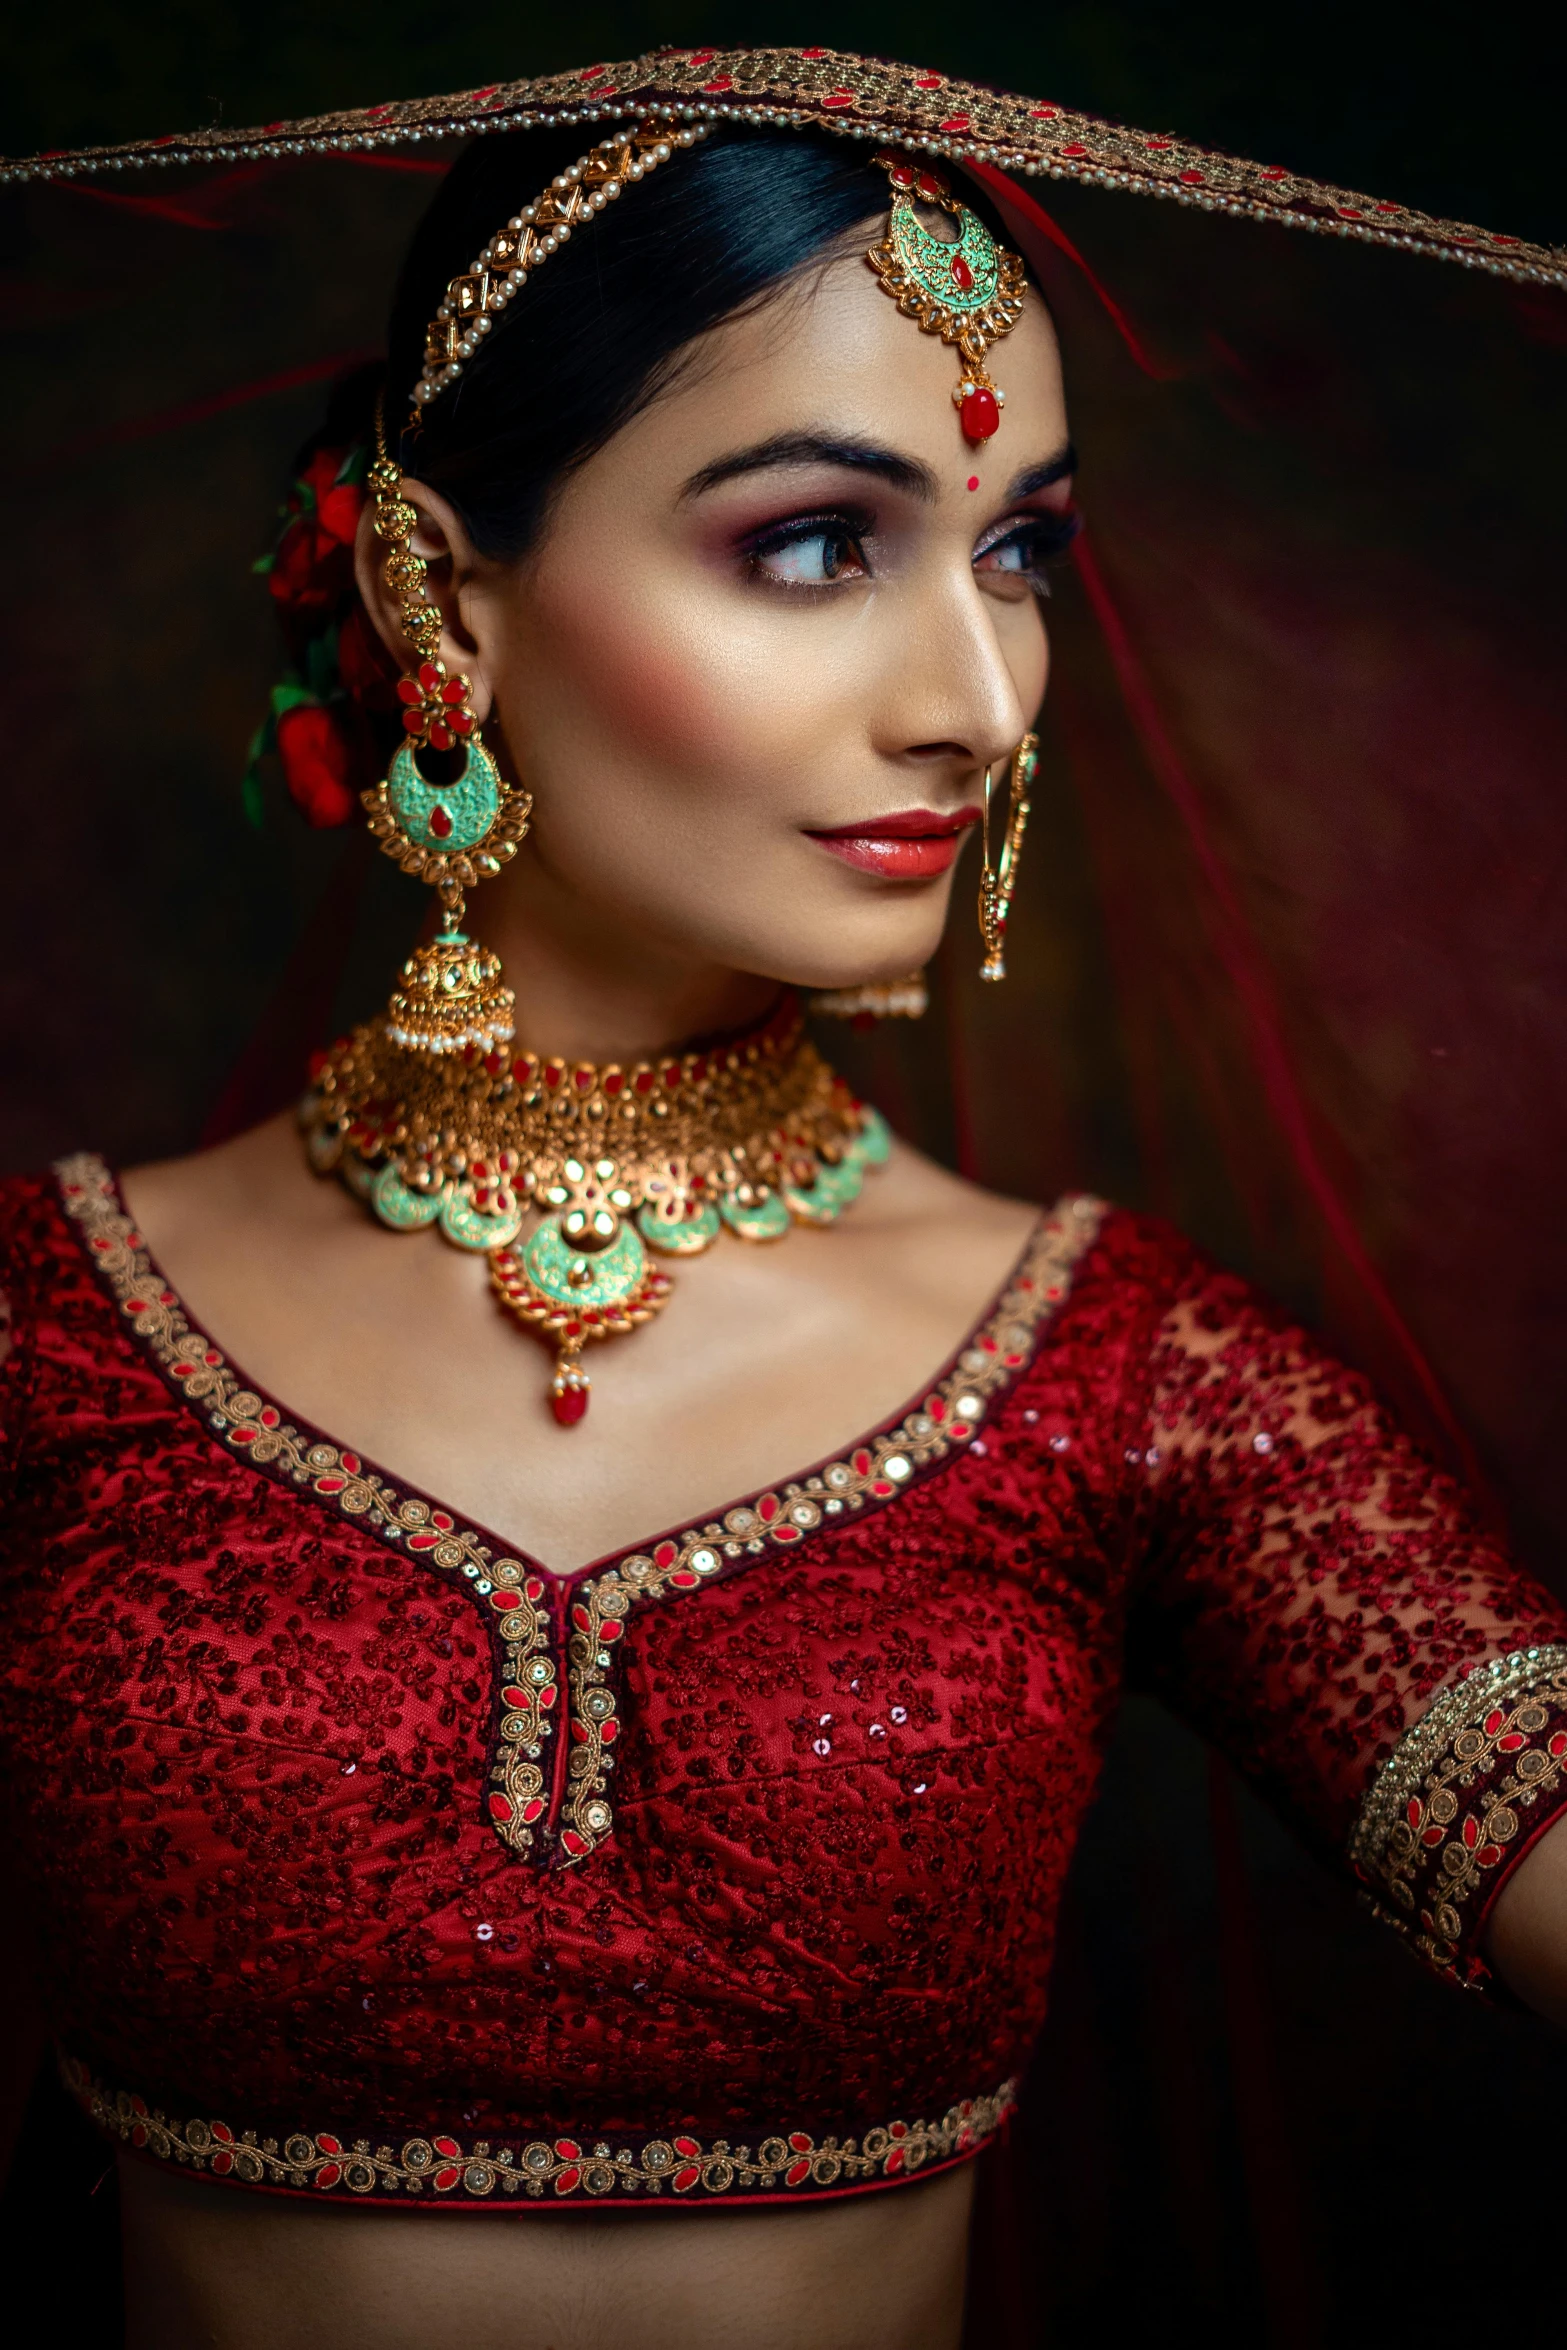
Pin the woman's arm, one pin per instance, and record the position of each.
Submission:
(1331, 1611)
(1526, 1941)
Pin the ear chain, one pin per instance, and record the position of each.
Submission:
(459, 831)
(463, 827)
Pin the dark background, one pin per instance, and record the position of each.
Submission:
(1453, 108)
(1253, 2122)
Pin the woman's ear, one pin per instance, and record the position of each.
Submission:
(444, 546)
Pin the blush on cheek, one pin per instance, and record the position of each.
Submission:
(632, 658)
(648, 694)
(671, 675)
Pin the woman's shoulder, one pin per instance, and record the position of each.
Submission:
(1132, 1247)
(64, 1235)
(1105, 1244)
(1144, 1262)
(66, 1228)
(1127, 1284)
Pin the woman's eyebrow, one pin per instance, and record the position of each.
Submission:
(809, 448)
(909, 474)
(1040, 477)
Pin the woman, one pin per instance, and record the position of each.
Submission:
(436, 1838)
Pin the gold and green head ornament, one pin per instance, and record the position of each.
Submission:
(967, 289)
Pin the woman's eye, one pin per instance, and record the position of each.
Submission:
(810, 554)
(1029, 551)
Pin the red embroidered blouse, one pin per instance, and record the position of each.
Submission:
(368, 1858)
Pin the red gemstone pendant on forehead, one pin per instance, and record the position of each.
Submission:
(980, 414)
(967, 289)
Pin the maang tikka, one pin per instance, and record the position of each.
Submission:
(969, 291)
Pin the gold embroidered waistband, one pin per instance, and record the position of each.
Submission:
(791, 2164)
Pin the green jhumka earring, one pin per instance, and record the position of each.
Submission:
(452, 830)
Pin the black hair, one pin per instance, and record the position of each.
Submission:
(600, 329)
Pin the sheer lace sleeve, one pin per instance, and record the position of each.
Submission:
(1328, 1609)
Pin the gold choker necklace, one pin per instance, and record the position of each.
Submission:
(430, 1117)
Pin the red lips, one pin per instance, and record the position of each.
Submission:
(914, 844)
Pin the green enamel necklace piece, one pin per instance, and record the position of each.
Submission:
(579, 1183)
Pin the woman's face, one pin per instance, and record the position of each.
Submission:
(773, 635)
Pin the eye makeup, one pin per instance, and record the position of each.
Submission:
(810, 550)
(831, 547)
(1027, 549)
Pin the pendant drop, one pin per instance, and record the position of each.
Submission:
(569, 1390)
(978, 413)
(583, 1275)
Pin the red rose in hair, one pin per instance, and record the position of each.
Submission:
(320, 765)
(303, 578)
(313, 568)
(367, 669)
(338, 503)
(335, 505)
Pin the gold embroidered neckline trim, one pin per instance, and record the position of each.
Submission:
(561, 1817)
(870, 1475)
(791, 2163)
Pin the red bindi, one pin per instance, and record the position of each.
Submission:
(973, 481)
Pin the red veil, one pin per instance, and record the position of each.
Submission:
(1288, 953)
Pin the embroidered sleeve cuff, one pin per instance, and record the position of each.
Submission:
(1459, 1802)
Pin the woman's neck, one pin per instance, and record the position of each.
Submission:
(592, 987)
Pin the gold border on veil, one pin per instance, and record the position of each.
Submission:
(859, 98)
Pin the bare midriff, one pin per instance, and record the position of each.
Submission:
(234, 2270)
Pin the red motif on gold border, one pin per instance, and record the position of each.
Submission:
(791, 2163)
(857, 97)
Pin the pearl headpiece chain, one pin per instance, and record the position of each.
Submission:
(529, 238)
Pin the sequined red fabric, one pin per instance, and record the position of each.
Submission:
(247, 1745)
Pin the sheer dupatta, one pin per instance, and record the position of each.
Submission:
(1288, 953)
